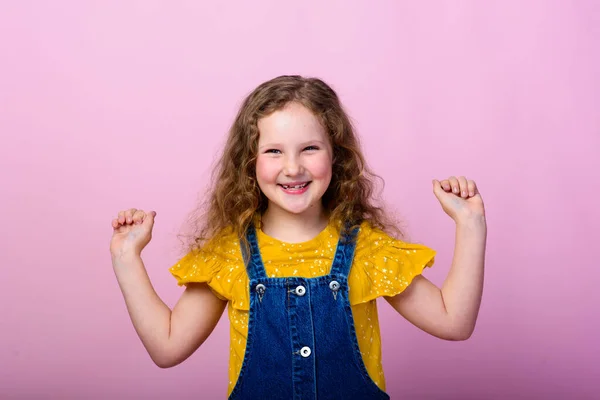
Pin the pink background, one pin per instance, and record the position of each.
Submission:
(110, 104)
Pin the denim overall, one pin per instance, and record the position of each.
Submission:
(301, 339)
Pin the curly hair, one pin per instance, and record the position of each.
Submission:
(235, 199)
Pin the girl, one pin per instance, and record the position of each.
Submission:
(293, 244)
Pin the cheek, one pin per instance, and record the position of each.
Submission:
(322, 168)
(266, 169)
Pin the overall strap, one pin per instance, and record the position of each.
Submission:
(253, 261)
(344, 254)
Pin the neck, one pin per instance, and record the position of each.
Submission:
(294, 228)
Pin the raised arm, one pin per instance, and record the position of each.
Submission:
(169, 336)
(451, 312)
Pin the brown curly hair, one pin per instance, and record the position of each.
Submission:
(235, 198)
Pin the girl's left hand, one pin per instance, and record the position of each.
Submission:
(459, 198)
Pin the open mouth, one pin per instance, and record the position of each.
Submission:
(295, 187)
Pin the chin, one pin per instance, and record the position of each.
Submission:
(295, 210)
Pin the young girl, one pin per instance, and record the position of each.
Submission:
(293, 244)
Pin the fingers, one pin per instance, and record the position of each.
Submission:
(125, 216)
(138, 217)
(446, 185)
(437, 186)
(451, 185)
(460, 186)
(132, 216)
(129, 215)
(472, 187)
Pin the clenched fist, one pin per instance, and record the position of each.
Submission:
(459, 197)
(132, 231)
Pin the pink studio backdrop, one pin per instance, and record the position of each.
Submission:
(108, 105)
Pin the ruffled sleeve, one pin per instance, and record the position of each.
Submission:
(220, 264)
(384, 266)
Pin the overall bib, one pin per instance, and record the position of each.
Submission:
(301, 339)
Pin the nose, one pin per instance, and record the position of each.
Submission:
(292, 166)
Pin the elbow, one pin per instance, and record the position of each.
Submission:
(456, 332)
(164, 364)
(459, 329)
(460, 334)
(164, 360)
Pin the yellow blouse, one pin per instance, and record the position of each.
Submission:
(382, 266)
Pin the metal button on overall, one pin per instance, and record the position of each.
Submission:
(300, 290)
(305, 351)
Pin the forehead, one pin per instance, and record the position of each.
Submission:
(293, 123)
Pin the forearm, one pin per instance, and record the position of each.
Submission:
(150, 316)
(462, 290)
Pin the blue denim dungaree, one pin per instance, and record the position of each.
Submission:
(301, 339)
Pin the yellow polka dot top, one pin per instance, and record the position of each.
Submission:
(382, 266)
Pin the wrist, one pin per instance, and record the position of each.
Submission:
(472, 222)
(124, 256)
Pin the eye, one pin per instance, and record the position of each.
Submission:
(311, 148)
(273, 151)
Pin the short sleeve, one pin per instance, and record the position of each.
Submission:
(384, 266)
(220, 265)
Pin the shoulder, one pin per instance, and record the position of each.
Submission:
(225, 244)
(221, 250)
(369, 232)
(219, 263)
(371, 240)
(384, 265)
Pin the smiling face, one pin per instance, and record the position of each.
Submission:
(294, 161)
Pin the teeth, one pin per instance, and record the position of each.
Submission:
(294, 187)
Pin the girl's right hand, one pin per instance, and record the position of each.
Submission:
(132, 231)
